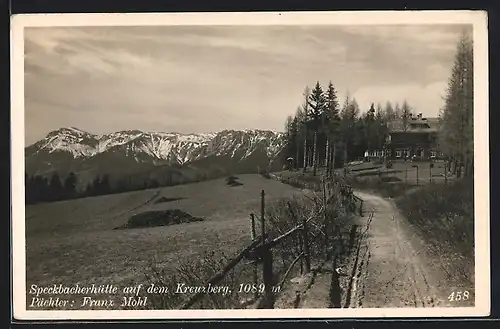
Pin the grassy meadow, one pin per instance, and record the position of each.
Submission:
(76, 242)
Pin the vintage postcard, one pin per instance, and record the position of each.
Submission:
(250, 165)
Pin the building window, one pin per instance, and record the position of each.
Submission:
(433, 154)
(398, 153)
(407, 153)
(388, 152)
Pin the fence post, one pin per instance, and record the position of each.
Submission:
(352, 236)
(252, 231)
(255, 279)
(325, 218)
(445, 173)
(262, 221)
(305, 240)
(335, 290)
(430, 173)
(267, 261)
(417, 174)
(301, 250)
(406, 176)
(299, 237)
(267, 275)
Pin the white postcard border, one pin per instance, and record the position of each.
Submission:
(481, 150)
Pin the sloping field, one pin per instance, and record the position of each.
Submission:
(75, 241)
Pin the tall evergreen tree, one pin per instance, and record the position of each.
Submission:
(28, 188)
(104, 185)
(300, 136)
(398, 113)
(390, 114)
(348, 122)
(305, 108)
(317, 104)
(70, 186)
(55, 187)
(369, 127)
(381, 127)
(456, 117)
(290, 134)
(96, 186)
(332, 125)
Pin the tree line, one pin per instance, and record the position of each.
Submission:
(50, 188)
(44, 189)
(324, 133)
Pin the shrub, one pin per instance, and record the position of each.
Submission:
(265, 174)
(165, 199)
(160, 218)
(233, 181)
(445, 216)
(193, 273)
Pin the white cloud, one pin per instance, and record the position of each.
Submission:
(426, 99)
(193, 79)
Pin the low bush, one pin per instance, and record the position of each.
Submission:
(165, 199)
(193, 273)
(160, 218)
(445, 216)
(265, 174)
(233, 181)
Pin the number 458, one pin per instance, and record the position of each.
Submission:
(458, 296)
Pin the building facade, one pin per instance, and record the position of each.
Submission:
(416, 140)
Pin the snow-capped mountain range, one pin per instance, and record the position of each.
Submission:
(71, 146)
(172, 147)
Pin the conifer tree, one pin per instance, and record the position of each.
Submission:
(55, 188)
(332, 116)
(317, 104)
(456, 117)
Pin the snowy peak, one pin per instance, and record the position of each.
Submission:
(158, 146)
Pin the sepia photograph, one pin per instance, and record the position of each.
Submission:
(250, 165)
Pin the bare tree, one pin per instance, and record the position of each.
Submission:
(305, 107)
(406, 115)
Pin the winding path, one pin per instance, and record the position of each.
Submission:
(396, 271)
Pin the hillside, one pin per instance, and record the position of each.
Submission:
(76, 240)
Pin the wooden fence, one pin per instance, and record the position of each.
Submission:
(408, 173)
(260, 250)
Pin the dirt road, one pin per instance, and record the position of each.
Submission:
(395, 269)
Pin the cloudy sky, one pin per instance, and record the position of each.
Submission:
(208, 78)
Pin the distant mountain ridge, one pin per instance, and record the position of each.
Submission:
(135, 151)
